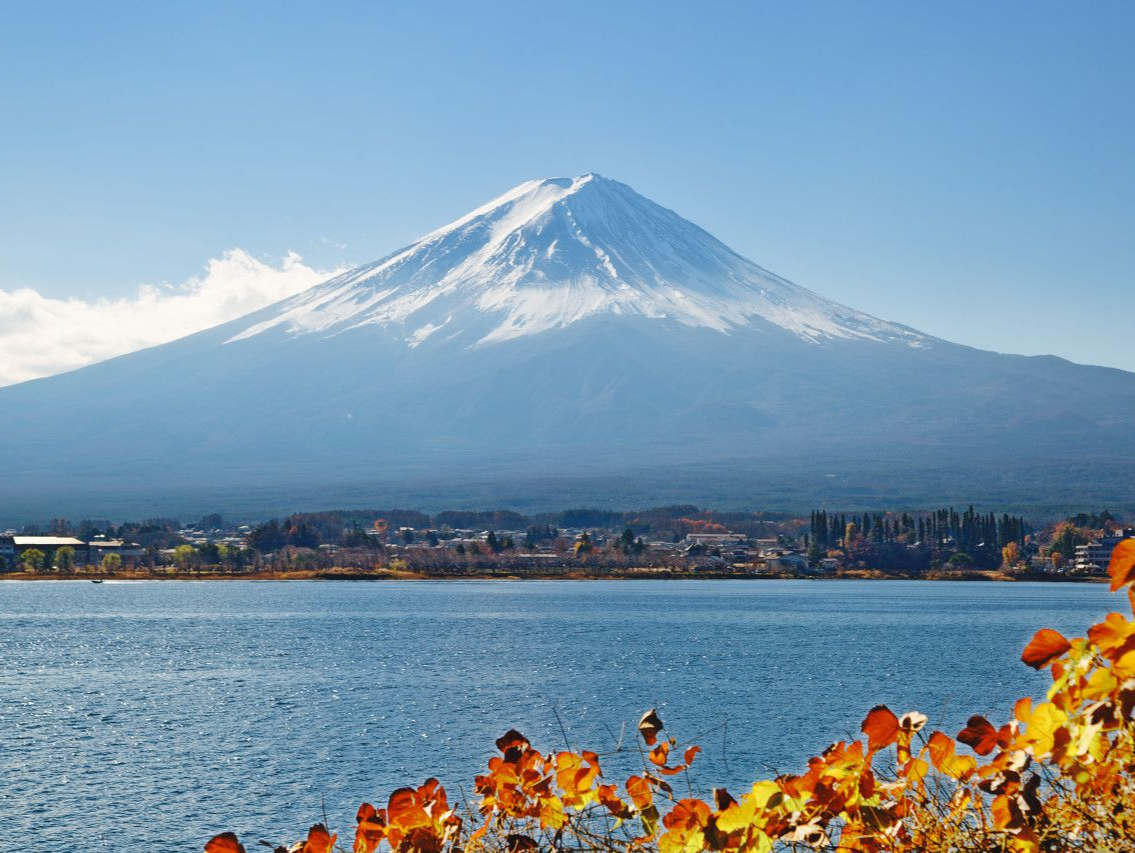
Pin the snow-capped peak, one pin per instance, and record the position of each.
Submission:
(553, 252)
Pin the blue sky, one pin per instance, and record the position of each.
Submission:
(963, 168)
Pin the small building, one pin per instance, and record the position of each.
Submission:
(787, 563)
(99, 548)
(715, 540)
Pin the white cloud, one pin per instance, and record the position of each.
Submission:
(40, 336)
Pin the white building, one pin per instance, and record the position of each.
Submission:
(787, 563)
(1095, 556)
(715, 540)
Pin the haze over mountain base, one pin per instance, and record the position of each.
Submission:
(719, 486)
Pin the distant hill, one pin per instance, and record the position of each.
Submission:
(570, 342)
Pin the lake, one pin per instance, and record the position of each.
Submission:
(151, 715)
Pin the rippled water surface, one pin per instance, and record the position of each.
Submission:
(148, 716)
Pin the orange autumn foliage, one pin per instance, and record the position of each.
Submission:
(1122, 568)
(1059, 775)
(226, 842)
(1044, 648)
(881, 727)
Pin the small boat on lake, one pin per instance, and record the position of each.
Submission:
(96, 580)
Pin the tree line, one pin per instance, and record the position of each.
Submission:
(920, 540)
(968, 529)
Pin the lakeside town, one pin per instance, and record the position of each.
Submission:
(680, 541)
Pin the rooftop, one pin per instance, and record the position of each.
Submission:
(48, 541)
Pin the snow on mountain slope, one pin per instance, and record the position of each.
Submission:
(550, 253)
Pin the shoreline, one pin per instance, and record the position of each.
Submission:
(624, 575)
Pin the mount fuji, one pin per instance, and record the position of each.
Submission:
(556, 252)
(569, 342)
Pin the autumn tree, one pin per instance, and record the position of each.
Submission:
(65, 559)
(1010, 553)
(184, 557)
(32, 559)
(230, 556)
(1067, 537)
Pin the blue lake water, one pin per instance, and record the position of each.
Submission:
(149, 716)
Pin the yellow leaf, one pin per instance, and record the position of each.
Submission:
(1042, 725)
(916, 770)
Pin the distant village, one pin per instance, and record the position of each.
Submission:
(666, 541)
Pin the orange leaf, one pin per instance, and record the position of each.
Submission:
(979, 734)
(942, 756)
(941, 747)
(403, 802)
(687, 815)
(609, 798)
(640, 793)
(1122, 565)
(1023, 710)
(1113, 635)
(1044, 648)
(881, 727)
(226, 842)
(319, 840)
(371, 829)
(690, 754)
(659, 754)
(512, 739)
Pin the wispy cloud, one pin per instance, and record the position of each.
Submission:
(41, 336)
